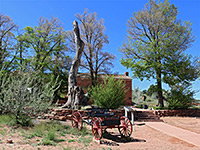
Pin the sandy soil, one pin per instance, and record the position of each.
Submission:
(187, 123)
(143, 138)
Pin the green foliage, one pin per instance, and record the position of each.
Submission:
(155, 46)
(7, 119)
(85, 141)
(152, 89)
(50, 139)
(110, 94)
(46, 41)
(151, 100)
(50, 130)
(48, 142)
(24, 93)
(137, 95)
(51, 133)
(180, 97)
(23, 120)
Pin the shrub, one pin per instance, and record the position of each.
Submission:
(137, 95)
(180, 97)
(110, 94)
(24, 93)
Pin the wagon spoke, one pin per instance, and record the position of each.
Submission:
(96, 128)
(77, 121)
(125, 127)
(122, 131)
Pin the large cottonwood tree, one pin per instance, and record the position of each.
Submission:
(45, 43)
(155, 46)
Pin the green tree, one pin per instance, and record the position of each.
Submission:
(180, 97)
(152, 89)
(94, 59)
(46, 45)
(155, 46)
(45, 42)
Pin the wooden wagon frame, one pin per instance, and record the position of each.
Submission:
(100, 119)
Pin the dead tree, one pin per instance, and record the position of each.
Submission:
(75, 94)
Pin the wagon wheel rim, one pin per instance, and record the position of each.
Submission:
(97, 128)
(77, 121)
(125, 127)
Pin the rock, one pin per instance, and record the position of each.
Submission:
(86, 107)
(9, 141)
(36, 122)
(62, 118)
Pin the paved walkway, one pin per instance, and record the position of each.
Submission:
(185, 135)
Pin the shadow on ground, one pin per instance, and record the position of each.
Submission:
(109, 138)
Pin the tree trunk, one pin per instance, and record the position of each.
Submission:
(92, 77)
(159, 88)
(73, 90)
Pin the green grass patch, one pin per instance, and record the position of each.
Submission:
(3, 131)
(7, 119)
(67, 148)
(85, 141)
(72, 140)
(76, 132)
(48, 142)
(47, 133)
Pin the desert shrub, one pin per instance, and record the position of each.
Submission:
(24, 93)
(180, 97)
(137, 95)
(23, 119)
(110, 94)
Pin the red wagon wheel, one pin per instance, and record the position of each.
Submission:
(77, 121)
(125, 127)
(97, 128)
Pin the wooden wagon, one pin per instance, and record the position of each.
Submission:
(100, 119)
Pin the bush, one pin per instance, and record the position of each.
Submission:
(23, 120)
(180, 97)
(152, 89)
(110, 94)
(137, 95)
(25, 93)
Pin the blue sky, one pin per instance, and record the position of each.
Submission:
(115, 14)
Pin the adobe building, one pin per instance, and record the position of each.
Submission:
(83, 80)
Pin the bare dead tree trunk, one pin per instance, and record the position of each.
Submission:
(74, 91)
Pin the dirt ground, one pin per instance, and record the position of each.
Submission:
(187, 123)
(143, 138)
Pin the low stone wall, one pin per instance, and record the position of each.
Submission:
(64, 114)
(182, 113)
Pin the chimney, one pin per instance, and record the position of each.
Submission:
(126, 74)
